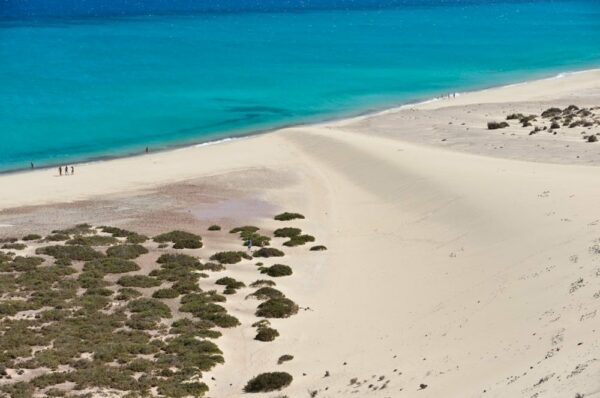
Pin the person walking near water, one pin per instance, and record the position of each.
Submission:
(72, 170)
(59, 170)
(31, 165)
(66, 170)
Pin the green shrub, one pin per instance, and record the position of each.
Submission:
(14, 246)
(247, 229)
(497, 125)
(200, 328)
(79, 229)
(256, 239)
(165, 294)
(266, 382)
(57, 237)
(132, 237)
(127, 293)
(230, 282)
(266, 334)
(318, 248)
(299, 240)
(177, 389)
(93, 240)
(8, 240)
(150, 307)
(181, 239)
(268, 252)
(75, 252)
(515, 116)
(214, 228)
(230, 257)
(277, 270)
(181, 259)
(277, 308)
(286, 216)
(126, 251)
(262, 282)
(99, 291)
(142, 281)
(284, 358)
(186, 286)
(111, 265)
(212, 267)
(287, 232)
(21, 264)
(32, 237)
(267, 292)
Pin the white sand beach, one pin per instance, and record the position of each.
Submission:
(462, 261)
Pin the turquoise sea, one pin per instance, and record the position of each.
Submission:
(94, 82)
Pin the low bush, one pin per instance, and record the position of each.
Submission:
(183, 260)
(75, 252)
(179, 389)
(32, 237)
(287, 232)
(14, 246)
(230, 257)
(266, 382)
(514, 116)
(214, 228)
(246, 229)
(181, 239)
(284, 358)
(186, 286)
(277, 270)
(165, 293)
(149, 306)
(212, 267)
(299, 240)
(286, 216)
(497, 125)
(57, 237)
(551, 112)
(592, 138)
(266, 292)
(142, 281)
(132, 237)
(318, 248)
(126, 251)
(111, 265)
(268, 252)
(277, 308)
(200, 328)
(230, 282)
(262, 282)
(127, 293)
(92, 240)
(266, 334)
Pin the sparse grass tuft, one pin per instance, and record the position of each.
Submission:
(14, 246)
(93, 240)
(299, 240)
(318, 248)
(266, 292)
(32, 237)
(132, 237)
(287, 232)
(214, 228)
(128, 293)
(165, 293)
(497, 125)
(262, 282)
(284, 358)
(266, 334)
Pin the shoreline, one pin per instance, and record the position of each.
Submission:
(326, 120)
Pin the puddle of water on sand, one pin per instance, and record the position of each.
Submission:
(233, 209)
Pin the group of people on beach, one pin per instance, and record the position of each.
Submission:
(60, 170)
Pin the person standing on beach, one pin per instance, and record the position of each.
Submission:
(59, 170)
(249, 244)
(66, 170)
(72, 170)
(31, 165)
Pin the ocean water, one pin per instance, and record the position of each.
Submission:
(88, 78)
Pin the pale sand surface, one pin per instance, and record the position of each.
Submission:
(468, 265)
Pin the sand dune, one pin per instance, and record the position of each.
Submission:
(452, 271)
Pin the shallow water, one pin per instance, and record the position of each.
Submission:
(77, 86)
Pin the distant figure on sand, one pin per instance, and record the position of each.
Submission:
(72, 170)
(146, 149)
(66, 170)
(249, 244)
(31, 165)
(59, 170)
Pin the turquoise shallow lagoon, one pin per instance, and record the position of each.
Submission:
(74, 88)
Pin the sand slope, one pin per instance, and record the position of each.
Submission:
(473, 275)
